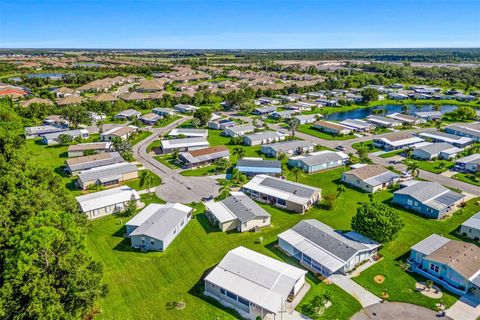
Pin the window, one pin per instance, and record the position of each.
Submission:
(307, 259)
(142, 239)
(182, 222)
(243, 301)
(281, 202)
(152, 242)
(231, 295)
(434, 268)
(222, 291)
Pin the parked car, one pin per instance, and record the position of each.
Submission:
(341, 148)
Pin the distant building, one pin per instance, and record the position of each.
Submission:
(35, 132)
(370, 178)
(440, 150)
(265, 137)
(384, 122)
(331, 127)
(185, 108)
(238, 130)
(253, 166)
(292, 147)
(122, 132)
(358, 125)
(469, 163)
(54, 138)
(471, 227)
(81, 149)
(396, 141)
(203, 157)
(182, 145)
(438, 136)
(128, 114)
(406, 119)
(189, 133)
(320, 160)
(469, 130)
(150, 119)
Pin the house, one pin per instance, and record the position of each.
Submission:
(64, 92)
(185, 108)
(164, 112)
(324, 250)
(282, 193)
(122, 132)
(134, 96)
(54, 138)
(317, 161)
(471, 227)
(451, 263)
(95, 117)
(221, 124)
(150, 118)
(331, 127)
(39, 101)
(264, 111)
(237, 212)
(306, 118)
(358, 125)
(383, 122)
(35, 132)
(76, 165)
(430, 199)
(406, 119)
(128, 114)
(469, 163)
(83, 149)
(302, 106)
(255, 285)
(108, 175)
(153, 85)
(429, 115)
(157, 225)
(253, 166)
(396, 141)
(189, 133)
(438, 136)
(292, 147)
(182, 145)
(106, 202)
(397, 96)
(238, 131)
(105, 97)
(440, 150)
(203, 157)
(370, 178)
(56, 121)
(285, 114)
(469, 130)
(70, 100)
(266, 101)
(265, 137)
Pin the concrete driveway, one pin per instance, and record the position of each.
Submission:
(174, 187)
(464, 309)
(365, 297)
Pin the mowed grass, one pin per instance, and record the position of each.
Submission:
(468, 178)
(308, 129)
(216, 139)
(202, 171)
(435, 166)
(367, 145)
(140, 136)
(391, 154)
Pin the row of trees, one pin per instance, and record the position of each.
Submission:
(45, 269)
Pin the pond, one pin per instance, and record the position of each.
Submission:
(390, 108)
(51, 76)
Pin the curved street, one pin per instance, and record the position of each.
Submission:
(174, 187)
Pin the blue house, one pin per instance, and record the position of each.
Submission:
(253, 166)
(450, 263)
(430, 199)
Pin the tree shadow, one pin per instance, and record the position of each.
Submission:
(205, 223)
(198, 291)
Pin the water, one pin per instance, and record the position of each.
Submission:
(390, 108)
(51, 76)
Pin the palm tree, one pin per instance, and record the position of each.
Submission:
(408, 152)
(340, 189)
(413, 168)
(224, 188)
(436, 107)
(296, 173)
(239, 152)
(195, 122)
(146, 180)
(405, 108)
(438, 124)
(292, 126)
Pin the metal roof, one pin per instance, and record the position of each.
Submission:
(288, 145)
(106, 198)
(93, 161)
(111, 170)
(430, 244)
(321, 157)
(473, 222)
(259, 163)
(431, 194)
(182, 143)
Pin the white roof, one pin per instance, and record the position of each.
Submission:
(220, 211)
(182, 143)
(106, 198)
(262, 280)
(189, 132)
(430, 244)
(473, 222)
(402, 142)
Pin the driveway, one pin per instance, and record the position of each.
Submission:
(396, 311)
(365, 297)
(174, 187)
(464, 309)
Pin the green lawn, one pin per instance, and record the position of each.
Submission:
(308, 129)
(367, 145)
(468, 178)
(166, 121)
(140, 136)
(216, 139)
(155, 144)
(391, 154)
(202, 171)
(135, 183)
(168, 161)
(434, 166)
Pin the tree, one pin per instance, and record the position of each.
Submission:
(147, 179)
(76, 115)
(222, 164)
(292, 126)
(377, 221)
(131, 207)
(123, 147)
(239, 152)
(296, 173)
(408, 152)
(195, 122)
(413, 168)
(340, 189)
(224, 188)
(65, 139)
(369, 95)
(462, 113)
(203, 115)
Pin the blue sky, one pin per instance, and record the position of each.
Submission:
(230, 24)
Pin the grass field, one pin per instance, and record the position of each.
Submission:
(135, 184)
(216, 139)
(468, 178)
(202, 171)
(140, 136)
(307, 129)
(367, 145)
(391, 154)
(434, 166)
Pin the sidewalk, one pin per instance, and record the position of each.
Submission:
(365, 297)
(464, 309)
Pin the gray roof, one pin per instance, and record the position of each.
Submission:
(297, 189)
(431, 194)
(436, 148)
(244, 208)
(266, 109)
(473, 158)
(473, 222)
(161, 223)
(113, 157)
(263, 135)
(439, 135)
(289, 145)
(325, 237)
(322, 158)
(259, 163)
(242, 128)
(430, 244)
(472, 129)
(105, 172)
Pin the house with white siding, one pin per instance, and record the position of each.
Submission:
(370, 178)
(317, 161)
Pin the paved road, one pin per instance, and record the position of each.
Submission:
(396, 311)
(174, 187)
(464, 309)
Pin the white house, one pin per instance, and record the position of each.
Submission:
(157, 225)
(238, 131)
(471, 227)
(187, 144)
(54, 138)
(265, 137)
(122, 132)
(189, 133)
(370, 178)
(441, 150)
